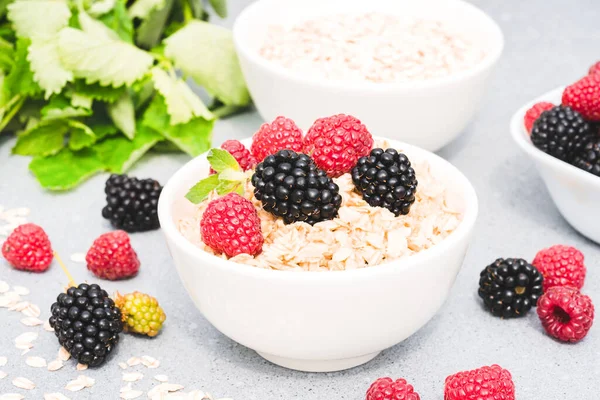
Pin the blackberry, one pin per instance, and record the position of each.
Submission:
(132, 203)
(588, 158)
(561, 132)
(87, 323)
(386, 179)
(290, 186)
(510, 287)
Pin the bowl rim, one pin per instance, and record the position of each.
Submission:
(421, 259)
(487, 63)
(521, 137)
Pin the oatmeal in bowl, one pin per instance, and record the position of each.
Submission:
(302, 246)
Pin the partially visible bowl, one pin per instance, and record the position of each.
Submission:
(318, 321)
(428, 113)
(576, 193)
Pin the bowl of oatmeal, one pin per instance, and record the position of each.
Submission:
(332, 295)
(413, 71)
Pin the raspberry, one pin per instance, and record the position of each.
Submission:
(28, 249)
(241, 154)
(111, 257)
(594, 69)
(485, 383)
(561, 266)
(336, 143)
(388, 389)
(141, 313)
(534, 113)
(584, 96)
(230, 225)
(566, 314)
(281, 134)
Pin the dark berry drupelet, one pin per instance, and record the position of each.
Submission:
(132, 203)
(87, 323)
(386, 179)
(510, 287)
(588, 158)
(561, 132)
(290, 186)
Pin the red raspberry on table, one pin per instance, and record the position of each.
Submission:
(230, 225)
(241, 154)
(336, 143)
(566, 314)
(584, 96)
(388, 389)
(28, 248)
(485, 383)
(112, 257)
(534, 113)
(594, 69)
(561, 266)
(281, 134)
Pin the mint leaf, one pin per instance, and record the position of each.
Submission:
(107, 94)
(230, 186)
(220, 74)
(150, 31)
(94, 27)
(38, 18)
(101, 7)
(220, 7)
(119, 21)
(66, 169)
(20, 79)
(143, 8)
(220, 160)
(200, 191)
(7, 55)
(119, 154)
(47, 69)
(193, 137)
(79, 100)
(42, 140)
(122, 114)
(80, 138)
(232, 175)
(60, 107)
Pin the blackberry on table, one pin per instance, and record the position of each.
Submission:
(290, 186)
(386, 179)
(87, 323)
(510, 287)
(561, 132)
(588, 158)
(132, 204)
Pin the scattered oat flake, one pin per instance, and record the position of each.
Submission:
(131, 394)
(123, 365)
(132, 376)
(32, 310)
(150, 362)
(171, 387)
(81, 367)
(26, 351)
(23, 383)
(55, 396)
(11, 396)
(125, 388)
(63, 354)
(36, 362)
(75, 386)
(21, 290)
(55, 365)
(78, 257)
(26, 337)
(20, 306)
(31, 321)
(3, 361)
(161, 378)
(4, 287)
(89, 382)
(24, 346)
(133, 361)
(3, 374)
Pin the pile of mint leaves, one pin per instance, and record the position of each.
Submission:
(91, 86)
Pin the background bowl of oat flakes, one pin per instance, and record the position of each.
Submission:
(427, 113)
(319, 321)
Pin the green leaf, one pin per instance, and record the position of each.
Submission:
(119, 153)
(122, 114)
(38, 18)
(81, 136)
(150, 31)
(20, 79)
(143, 8)
(79, 100)
(182, 103)
(7, 55)
(86, 56)
(193, 137)
(103, 130)
(220, 160)
(220, 73)
(220, 7)
(101, 7)
(66, 169)
(165, 147)
(119, 21)
(42, 140)
(3, 5)
(47, 69)
(107, 94)
(232, 175)
(200, 191)
(9, 110)
(230, 186)
(95, 28)
(60, 107)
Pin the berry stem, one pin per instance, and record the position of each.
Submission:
(65, 270)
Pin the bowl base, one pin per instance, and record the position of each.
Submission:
(318, 365)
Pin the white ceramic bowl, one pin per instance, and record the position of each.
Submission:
(428, 114)
(576, 193)
(318, 321)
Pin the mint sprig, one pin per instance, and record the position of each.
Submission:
(229, 177)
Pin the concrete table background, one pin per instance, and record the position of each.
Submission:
(548, 43)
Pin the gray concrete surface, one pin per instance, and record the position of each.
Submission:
(548, 43)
